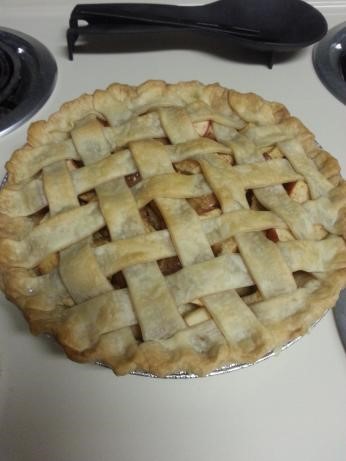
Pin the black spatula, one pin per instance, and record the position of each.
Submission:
(265, 25)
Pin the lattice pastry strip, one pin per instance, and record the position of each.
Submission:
(310, 256)
(255, 248)
(300, 218)
(268, 135)
(241, 328)
(329, 210)
(28, 161)
(53, 235)
(145, 281)
(318, 184)
(89, 219)
(230, 183)
(222, 273)
(275, 198)
(21, 168)
(109, 312)
(80, 256)
(29, 197)
(276, 278)
(177, 213)
(76, 259)
(32, 198)
(322, 256)
(154, 286)
(62, 266)
(193, 250)
(249, 243)
(56, 176)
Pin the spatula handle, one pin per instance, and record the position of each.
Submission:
(142, 12)
(205, 17)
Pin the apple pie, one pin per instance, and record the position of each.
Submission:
(172, 227)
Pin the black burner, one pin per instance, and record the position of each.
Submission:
(329, 58)
(10, 79)
(9, 71)
(27, 78)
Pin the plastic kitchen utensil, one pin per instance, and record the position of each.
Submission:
(267, 25)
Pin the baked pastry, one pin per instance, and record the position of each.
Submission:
(171, 227)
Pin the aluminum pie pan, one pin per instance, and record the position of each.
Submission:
(218, 371)
(226, 368)
(3, 181)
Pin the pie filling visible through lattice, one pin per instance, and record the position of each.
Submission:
(171, 227)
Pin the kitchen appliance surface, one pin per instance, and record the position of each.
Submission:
(290, 408)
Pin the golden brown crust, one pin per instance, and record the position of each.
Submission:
(255, 109)
(244, 125)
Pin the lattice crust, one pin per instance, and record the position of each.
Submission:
(172, 227)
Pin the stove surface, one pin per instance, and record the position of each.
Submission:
(289, 408)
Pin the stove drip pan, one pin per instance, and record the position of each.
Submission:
(27, 78)
(329, 58)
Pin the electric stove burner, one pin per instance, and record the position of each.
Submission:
(27, 78)
(329, 59)
(9, 75)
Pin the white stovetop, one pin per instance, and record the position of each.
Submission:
(292, 407)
